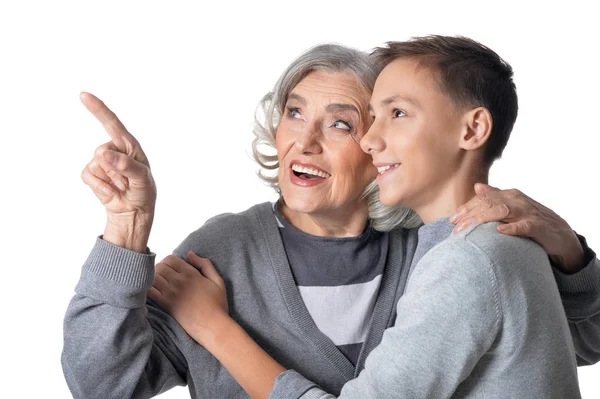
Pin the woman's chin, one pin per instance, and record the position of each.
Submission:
(299, 205)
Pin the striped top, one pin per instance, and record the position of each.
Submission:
(338, 280)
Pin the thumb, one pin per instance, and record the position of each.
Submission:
(481, 188)
(206, 268)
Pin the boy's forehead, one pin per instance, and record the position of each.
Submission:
(402, 80)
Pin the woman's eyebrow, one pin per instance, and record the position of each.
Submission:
(342, 107)
(300, 99)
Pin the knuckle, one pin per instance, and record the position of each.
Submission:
(101, 149)
(535, 213)
(122, 163)
(172, 260)
(516, 192)
(112, 174)
(189, 271)
(168, 294)
(145, 173)
(504, 210)
(488, 203)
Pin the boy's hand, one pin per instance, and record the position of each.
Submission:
(194, 294)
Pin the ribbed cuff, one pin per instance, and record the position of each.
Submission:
(290, 384)
(116, 275)
(585, 280)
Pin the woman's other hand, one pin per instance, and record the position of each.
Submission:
(119, 174)
(526, 218)
(194, 294)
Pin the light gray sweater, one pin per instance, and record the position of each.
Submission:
(481, 318)
(119, 345)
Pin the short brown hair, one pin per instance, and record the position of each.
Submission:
(471, 74)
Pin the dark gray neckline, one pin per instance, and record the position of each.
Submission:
(384, 305)
(306, 236)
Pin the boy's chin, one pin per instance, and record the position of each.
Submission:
(391, 198)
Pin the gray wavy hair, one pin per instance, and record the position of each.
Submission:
(330, 58)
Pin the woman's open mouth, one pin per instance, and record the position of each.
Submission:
(307, 176)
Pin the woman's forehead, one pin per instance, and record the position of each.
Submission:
(330, 87)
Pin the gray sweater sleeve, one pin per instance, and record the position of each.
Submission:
(116, 345)
(450, 316)
(580, 295)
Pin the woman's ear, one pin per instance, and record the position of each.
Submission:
(479, 124)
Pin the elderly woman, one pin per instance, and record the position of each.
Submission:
(313, 278)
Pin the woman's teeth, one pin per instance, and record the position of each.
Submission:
(310, 171)
(383, 169)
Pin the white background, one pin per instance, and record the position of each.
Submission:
(185, 79)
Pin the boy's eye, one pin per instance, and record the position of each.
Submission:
(340, 124)
(399, 113)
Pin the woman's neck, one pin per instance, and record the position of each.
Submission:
(338, 223)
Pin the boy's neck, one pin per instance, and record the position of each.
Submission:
(456, 192)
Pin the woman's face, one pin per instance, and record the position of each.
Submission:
(321, 165)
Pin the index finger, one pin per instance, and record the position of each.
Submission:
(480, 200)
(113, 126)
(176, 263)
(485, 201)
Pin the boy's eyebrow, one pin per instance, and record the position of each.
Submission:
(393, 99)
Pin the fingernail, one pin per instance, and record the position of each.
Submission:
(107, 190)
(109, 157)
(457, 215)
(117, 182)
(462, 226)
(502, 227)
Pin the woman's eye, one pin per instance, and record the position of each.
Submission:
(342, 125)
(398, 113)
(294, 112)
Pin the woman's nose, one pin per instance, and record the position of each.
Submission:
(307, 142)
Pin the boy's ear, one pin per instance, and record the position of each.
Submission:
(478, 123)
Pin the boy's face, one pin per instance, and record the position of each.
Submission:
(416, 130)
